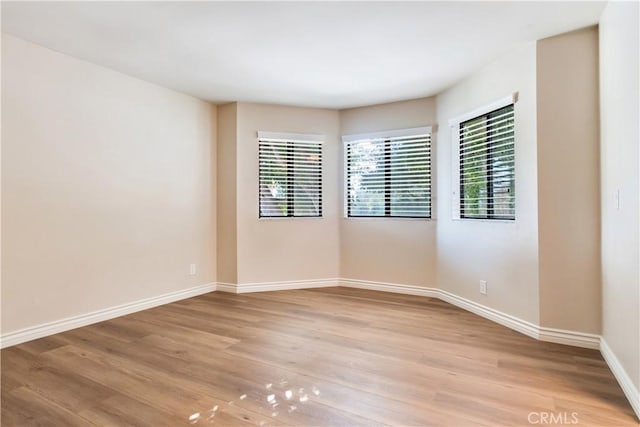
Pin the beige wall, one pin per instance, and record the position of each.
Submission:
(285, 249)
(619, 112)
(107, 188)
(389, 250)
(569, 181)
(226, 243)
(504, 253)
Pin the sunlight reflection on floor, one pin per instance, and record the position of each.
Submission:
(273, 400)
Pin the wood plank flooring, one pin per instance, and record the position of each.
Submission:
(318, 357)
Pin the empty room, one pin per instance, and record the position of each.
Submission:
(320, 213)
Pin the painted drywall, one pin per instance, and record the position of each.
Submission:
(619, 101)
(504, 253)
(285, 249)
(569, 181)
(391, 250)
(227, 261)
(108, 187)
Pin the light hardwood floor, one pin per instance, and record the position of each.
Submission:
(321, 357)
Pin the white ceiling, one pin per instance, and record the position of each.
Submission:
(320, 54)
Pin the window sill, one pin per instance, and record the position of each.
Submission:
(280, 218)
(387, 218)
(485, 220)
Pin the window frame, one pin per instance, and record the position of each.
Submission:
(386, 137)
(457, 187)
(289, 140)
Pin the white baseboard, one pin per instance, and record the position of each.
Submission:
(573, 338)
(62, 325)
(577, 339)
(390, 287)
(494, 315)
(226, 287)
(242, 288)
(629, 389)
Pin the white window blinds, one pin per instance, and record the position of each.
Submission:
(487, 175)
(389, 174)
(290, 175)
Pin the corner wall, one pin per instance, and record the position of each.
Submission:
(226, 243)
(504, 253)
(393, 250)
(108, 188)
(282, 249)
(619, 112)
(569, 181)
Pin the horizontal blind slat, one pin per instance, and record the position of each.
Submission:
(482, 122)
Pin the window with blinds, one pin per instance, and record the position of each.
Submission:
(389, 176)
(487, 174)
(290, 175)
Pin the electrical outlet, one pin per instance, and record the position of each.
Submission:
(483, 287)
(192, 269)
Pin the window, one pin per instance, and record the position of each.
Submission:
(388, 174)
(486, 165)
(290, 175)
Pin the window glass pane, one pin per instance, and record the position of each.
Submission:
(307, 185)
(273, 180)
(366, 179)
(410, 176)
(503, 167)
(473, 167)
